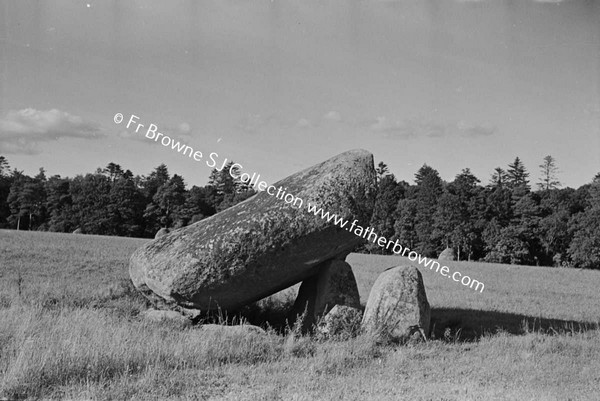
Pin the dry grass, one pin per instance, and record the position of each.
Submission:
(69, 329)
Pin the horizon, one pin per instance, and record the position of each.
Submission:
(483, 182)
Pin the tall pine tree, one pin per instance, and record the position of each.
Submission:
(549, 174)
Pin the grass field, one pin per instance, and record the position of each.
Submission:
(69, 329)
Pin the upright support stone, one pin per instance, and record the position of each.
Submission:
(334, 284)
(397, 307)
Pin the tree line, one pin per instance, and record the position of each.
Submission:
(503, 221)
(112, 201)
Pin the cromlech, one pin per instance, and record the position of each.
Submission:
(260, 246)
(263, 245)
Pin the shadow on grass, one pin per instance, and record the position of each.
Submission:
(269, 313)
(469, 325)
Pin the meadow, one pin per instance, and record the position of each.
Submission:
(69, 329)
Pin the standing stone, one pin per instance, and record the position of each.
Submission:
(447, 254)
(260, 246)
(397, 307)
(334, 284)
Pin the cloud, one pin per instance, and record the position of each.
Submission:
(18, 146)
(433, 130)
(592, 109)
(475, 130)
(406, 129)
(254, 123)
(184, 129)
(304, 123)
(333, 116)
(130, 135)
(21, 131)
(391, 129)
(181, 132)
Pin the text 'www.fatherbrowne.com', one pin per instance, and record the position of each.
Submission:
(370, 235)
(151, 132)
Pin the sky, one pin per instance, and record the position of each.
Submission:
(280, 85)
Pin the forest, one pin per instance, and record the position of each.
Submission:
(502, 221)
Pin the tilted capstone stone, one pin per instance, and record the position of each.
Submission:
(260, 246)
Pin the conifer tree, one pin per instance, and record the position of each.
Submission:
(549, 173)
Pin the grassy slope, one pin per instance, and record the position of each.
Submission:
(73, 332)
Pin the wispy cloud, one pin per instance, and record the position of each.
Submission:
(182, 132)
(333, 116)
(592, 109)
(184, 129)
(412, 128)
(304, 123)
(389, 128)
(475, 130)
(255, 122)
(406, 129)
(21, 131)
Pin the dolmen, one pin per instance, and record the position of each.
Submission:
(265, 244)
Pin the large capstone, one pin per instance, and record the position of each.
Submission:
(258, 247)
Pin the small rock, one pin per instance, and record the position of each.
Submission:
(397, 307)
(78, 231)
(161, 233)
(447, 254)
(341, 322)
